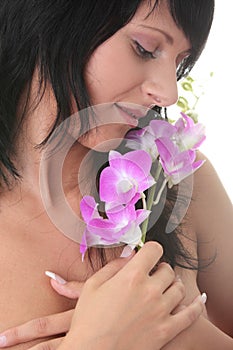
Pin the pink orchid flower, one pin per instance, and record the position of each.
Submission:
(120, 226)
(185, 133)
(177, 165)
(161, 128)
(142, 139)
(145, 138)
(188, 134)
(126, 178)
(123, 182)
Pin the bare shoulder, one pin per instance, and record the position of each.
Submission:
(212, 220)
(211, 205)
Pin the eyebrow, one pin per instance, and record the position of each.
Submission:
(168, 37)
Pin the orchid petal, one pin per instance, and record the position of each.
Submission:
(126, 176)
(142, 215)
(132, 236)
(128, 168)
(188, 134)
(107, 188)
(141, 159)
(167, 149)
(123, 214)
(161, 128)
(116, 186)
(88, 208)
(83, 244)
(142, 139)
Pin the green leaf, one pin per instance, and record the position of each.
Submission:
(183, 104)
(189, 79)
(187, 86)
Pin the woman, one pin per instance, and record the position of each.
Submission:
(58, 58)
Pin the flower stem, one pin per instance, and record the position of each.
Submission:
(156, 201)
(150, 201)
(143, 198)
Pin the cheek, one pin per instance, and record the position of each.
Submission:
(111, 72)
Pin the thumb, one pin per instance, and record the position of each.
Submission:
(110, 269)
(71, 290)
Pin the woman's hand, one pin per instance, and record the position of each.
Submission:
(131, 308)
(122, 306)
(52, 325)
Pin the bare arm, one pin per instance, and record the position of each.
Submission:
(211, 226)
(202, 335)
(212, 214)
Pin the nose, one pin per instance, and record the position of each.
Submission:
(160, 87)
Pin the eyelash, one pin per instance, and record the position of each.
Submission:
(143, 53)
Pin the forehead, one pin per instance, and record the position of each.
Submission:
(159, 19)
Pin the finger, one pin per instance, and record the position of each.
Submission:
(38, 328)
(174, 295)
(109, 270)
(165, 275)
(186, 316)
(178, 309)
(48, 345)
(71, 290)
(146, 258)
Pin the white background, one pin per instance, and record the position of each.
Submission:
(215, 108)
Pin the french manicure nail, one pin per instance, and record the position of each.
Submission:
(2, 340)
(203, 298)
(55, 277)
(127, 251)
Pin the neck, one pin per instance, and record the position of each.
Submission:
(59, 160)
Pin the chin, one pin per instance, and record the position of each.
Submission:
(105, 140)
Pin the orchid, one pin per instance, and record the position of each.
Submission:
(176, 165)
(188, 134)
(161, 128)
(142, 139)
(121, 224)
(126, 178)
(123, 182)
(145, 138)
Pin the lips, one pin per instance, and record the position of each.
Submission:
(135, 113)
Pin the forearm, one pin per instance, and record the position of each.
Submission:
(201, 335)
(78, 341)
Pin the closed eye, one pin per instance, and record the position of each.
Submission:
(142, 52)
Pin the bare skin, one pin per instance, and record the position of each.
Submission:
(159, 295)
(34, 247)
(219, 205)
(212, 222)
(30, 244)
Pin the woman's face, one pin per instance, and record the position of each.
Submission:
(136, 66)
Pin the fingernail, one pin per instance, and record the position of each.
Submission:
(2, 340)
(203, 298)
(55, 277)
(127, 251)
